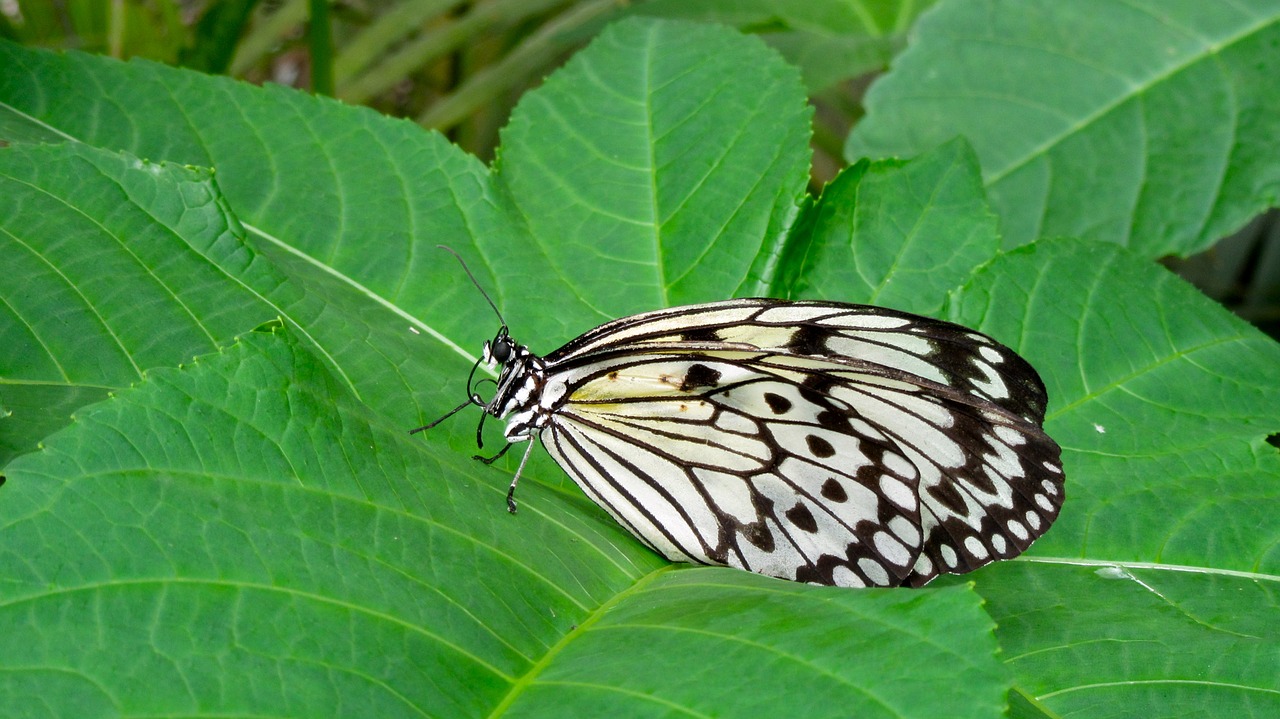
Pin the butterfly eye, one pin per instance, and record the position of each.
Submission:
(500, 350)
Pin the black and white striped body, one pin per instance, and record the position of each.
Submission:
(819, 442)
(520, 398)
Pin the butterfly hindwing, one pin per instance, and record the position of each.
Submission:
(738, 469)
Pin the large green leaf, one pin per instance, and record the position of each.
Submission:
(640, 183)
(1188, 642)
(1146, 123)
(242, 537)
(254, 532)
(894, 234)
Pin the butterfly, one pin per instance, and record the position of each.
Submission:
(820, 442)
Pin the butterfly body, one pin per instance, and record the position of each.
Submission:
(820, 442)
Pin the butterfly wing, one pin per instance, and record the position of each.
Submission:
(944, 352)
(827, 443)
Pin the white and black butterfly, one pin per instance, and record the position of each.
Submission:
(820, 442)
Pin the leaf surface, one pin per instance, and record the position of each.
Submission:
(255, 533)
(1148, 124)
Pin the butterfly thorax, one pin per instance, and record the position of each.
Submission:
(521, 388)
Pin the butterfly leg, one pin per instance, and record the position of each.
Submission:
(511, 491)
(494, 458)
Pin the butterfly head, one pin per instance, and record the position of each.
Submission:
(518, 385)
(501, 349)
(516, 366)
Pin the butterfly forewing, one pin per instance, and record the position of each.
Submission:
(814, 441)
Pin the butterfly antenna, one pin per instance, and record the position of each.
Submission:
(472, 398)
(470, 401)
(474, 282)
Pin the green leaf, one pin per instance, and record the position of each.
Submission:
(246, 517)
(682, 215)
(1188, 642)
(895, 234)
(331, 227)
(1161, 401)
(255, 533)
(754, 632)
(1149, 124)
(106, 292)
(127, 266)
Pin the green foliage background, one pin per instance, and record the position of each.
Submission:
(212, 505)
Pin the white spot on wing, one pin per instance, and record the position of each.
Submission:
(903, 352)
(949, 557)
(975, 547)
(924, 565)
(1010, 436)
(905, 530)
(867, 320)
(999, 543)
(1017, 530)
(845, 577)
(899, 465)
(891, 549)
(762, 336)
(795, 314)
(874, 571)
(990, 384)
(729, 493)
(1004, 461)
(897, 492)
(734, 422)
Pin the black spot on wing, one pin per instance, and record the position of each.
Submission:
(832, 490)
(835, 421)
(802, 518)
(758, 534)
(777, 403)
(816, 386)
(699, 375)
(980, 480)
(819, 446)
(700, 334)
(809, 340)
